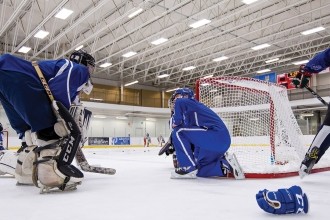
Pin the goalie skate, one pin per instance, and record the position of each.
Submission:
(184, 173)
(47, 190)
(235, 166)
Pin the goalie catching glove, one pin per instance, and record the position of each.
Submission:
(283, 201)
(300, 78)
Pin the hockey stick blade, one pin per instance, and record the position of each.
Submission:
(82, 162)
(102, 170)
(164, 148)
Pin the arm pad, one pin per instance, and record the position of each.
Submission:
(283, 201)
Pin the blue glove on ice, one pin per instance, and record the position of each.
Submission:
(283, 201)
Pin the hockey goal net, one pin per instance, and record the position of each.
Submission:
(265, 134)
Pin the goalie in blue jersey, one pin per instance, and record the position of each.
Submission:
(46, 130)
(194, 124)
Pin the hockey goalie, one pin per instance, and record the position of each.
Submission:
(50, 134)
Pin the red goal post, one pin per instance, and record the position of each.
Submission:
(266, 137)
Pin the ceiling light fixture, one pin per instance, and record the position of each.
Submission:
(129, 54)
(300, 62)
(138, 11)
(209, 76)
(261, 46)
(312, 31)
(220, 59)
(162, 76)
(189, 68)
(63, 14)
(272, 60)
(249, 1)
(79, 47)
(199, 23)
(131, 83)
(41, 34)
(104, 65)
(24, 49)
(159, 41)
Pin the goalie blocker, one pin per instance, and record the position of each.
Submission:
(53, 165)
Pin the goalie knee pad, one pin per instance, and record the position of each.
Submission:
(283, 201)
(50, 170)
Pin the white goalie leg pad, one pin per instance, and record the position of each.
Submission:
(8, 160)
(48, 175)
(24, 166)
(26, 157)
(81, 116)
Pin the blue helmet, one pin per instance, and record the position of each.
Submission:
(185, 92)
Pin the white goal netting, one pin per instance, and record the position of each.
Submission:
(265, 134)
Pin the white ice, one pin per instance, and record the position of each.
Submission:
(142, 190)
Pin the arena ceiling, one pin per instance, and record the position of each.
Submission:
(107, 30)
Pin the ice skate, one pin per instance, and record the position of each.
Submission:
(308, 162)
(235, 167)
(48, 190)
(184, 173)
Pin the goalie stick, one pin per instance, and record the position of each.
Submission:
(316, 95)
(83, 163)
(80, 157)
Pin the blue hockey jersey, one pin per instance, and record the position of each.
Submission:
(319, 62)
(190, 112)
(65, 78)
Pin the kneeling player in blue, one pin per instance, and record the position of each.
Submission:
(283, 201)
(194, 124)
(41, 117)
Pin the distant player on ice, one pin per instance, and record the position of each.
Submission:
(48, 131)
(196, 124)
(321, 141)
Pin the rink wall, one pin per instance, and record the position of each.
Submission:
(14, 142)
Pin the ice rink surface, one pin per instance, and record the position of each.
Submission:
(142, 190)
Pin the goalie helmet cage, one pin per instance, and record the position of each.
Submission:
(266, 137)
